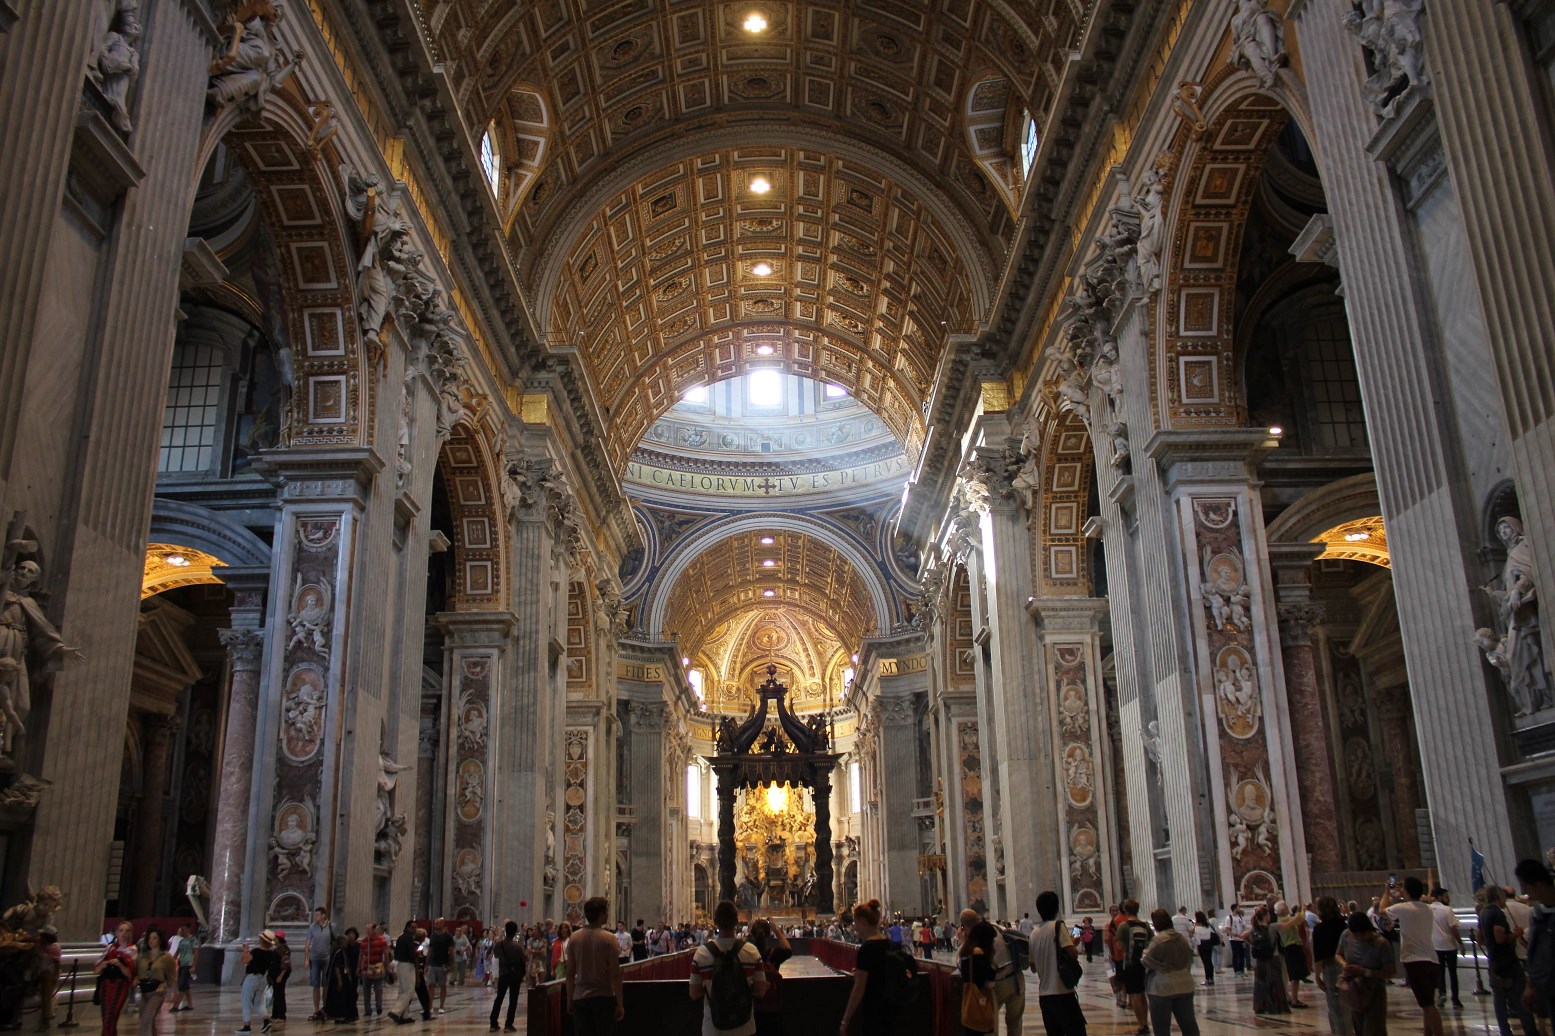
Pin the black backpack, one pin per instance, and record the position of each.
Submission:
(897, 978)
(729, 1000)
(1263, 944)
(1136, 936)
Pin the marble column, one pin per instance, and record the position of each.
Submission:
(1310, 734)
(726, 846)
(245, 651)
(1393, 715)
(1026, 819)
(1497, 132)
(645, 751)
(1416, 330)
(146, 869)
(898, 768)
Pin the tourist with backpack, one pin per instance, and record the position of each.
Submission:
(1055, 961)
(772, 944)
(1010, 954)
(726, 972)
(1132, 938)
(883, 979)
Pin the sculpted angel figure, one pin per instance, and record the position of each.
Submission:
(1147, 250)
(1071, 391)
(117, 63)
(1258, 41)
(254, 63)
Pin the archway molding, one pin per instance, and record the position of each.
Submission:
(661, 590)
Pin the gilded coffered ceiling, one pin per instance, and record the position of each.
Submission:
(729, 578)
(878, 126)
(809, 656)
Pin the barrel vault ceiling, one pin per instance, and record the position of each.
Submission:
(636, 127)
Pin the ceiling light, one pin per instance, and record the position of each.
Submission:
(769, 593)
(177, 560)
(763, 350)
(760, 185)
(766, 541)
(755, 22)
(769, 563)
(685, 661)
(1356, 537)
(855, 658)
(1275, 429)
(762, 269)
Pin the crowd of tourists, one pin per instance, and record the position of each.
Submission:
(1408, 934)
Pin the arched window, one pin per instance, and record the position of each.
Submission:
(489, 159)
(1028, 143)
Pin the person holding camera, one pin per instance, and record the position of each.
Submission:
(115, 970)
(157, 973)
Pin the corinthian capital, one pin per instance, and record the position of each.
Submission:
(245, 647)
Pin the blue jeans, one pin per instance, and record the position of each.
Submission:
(1164, 1008)
(253, 997)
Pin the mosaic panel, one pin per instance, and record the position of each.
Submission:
(575, 772)
(970, 757)
(1078, 773)
(470, 736)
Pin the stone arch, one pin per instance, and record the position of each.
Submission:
(1061, 562)
(174, 521)
(1220, 155)
(480, 560)
(1326, 513)
(673, 566)
(295, 184)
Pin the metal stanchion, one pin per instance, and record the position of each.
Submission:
(1479, 983)
(70, 1005)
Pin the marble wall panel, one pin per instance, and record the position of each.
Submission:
(470, 787)
(970, 755)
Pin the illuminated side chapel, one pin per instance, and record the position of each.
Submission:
(458, 459)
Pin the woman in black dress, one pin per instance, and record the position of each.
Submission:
(870, 1010)
(340, 994)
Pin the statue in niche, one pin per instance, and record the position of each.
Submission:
(1117, 434)
(116, 65)
(1390, 33)
(29, 645)
(1072, 396)
(390, 827)
(1152, 738)
(1258, 41)
(254, 63)
(1518, 654)
(550, 849)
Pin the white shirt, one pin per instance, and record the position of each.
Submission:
(1237, 926)
(624, 940)
(1201, 934)
(703, 964)
(1445, 934)
(1046, 940)
(1519, 913)
(1416, 923)
(1184, 924)
(1026, 926)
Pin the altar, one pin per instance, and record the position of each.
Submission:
(774, 808)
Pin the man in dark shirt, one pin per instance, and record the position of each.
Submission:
(404, 973)
(509, 955)
(440, 948)
(639, 941)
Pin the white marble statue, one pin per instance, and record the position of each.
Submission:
(390, 827)
(291, 847)
(1390, 32)
(1518, 655)
(310, 618)
(1152, 231)
(116, 65)
(1072, 395)
(254, 63)
(1152, 739)
(1258, 41)
(24, 631)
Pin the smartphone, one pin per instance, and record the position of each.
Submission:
(1392, 881)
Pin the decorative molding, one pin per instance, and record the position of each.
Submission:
(245, 648)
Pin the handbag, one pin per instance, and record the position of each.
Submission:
(978, 1011)
(375, 971)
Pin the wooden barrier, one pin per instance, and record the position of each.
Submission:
(657, 1000)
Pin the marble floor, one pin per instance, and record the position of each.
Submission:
(1223, 1010)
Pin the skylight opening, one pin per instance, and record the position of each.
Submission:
(1028, 144)
(836, 392)
(697, 394)
(489, 160)
(764, 388)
